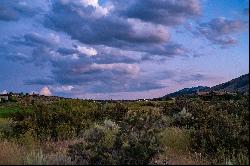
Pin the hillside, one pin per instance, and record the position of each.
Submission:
(240, 84)
(187, 91)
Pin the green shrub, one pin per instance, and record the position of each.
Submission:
(175, 139)
(99, 145)
(222, 131)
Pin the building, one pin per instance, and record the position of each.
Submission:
(202, 93)
(232, 93)
(4, 97)
(218, 93)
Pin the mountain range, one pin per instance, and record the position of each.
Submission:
(239, 85)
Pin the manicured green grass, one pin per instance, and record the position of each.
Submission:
(5, 111)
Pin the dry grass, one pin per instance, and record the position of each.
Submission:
(38, 157)
(173, 157)
(28, 150)
(54, 153)
(11, 153)
(59, 159)
(59, 146)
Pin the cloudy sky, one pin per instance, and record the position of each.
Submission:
(117, 49)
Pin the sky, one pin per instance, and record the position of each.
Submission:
(116, 49)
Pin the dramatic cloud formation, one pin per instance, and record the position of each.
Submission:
(80, 23)
(105, 47)
(219, 30)
(113, 30)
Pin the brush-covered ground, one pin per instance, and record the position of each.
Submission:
(187, 130)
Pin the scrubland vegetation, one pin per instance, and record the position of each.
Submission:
(188, 130)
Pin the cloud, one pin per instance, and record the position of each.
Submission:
(99, 10)
(116, 67)
(35, 39)
(4, 92)
(40, 49)
(66, 51)
(97, 78)
(45, 91)
(219, 31)
(80, 73)
(80, 25)
(98, 31)
(168, 50)
(74, 65)
(39, 81)
(166, 12)
(13, 10)
(192, 78)
(222, 26)
(88, 51)
(127, 33)
(128, 85)
(62, 88)
(108, 55)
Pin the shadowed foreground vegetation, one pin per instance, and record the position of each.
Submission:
(188, 130)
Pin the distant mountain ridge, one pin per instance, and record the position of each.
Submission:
(187, 91)
(240, 85)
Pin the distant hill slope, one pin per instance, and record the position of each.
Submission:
(240, 84)
(187, 91)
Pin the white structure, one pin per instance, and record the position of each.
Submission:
(4, 97)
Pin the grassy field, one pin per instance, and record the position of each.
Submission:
(7, 109)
